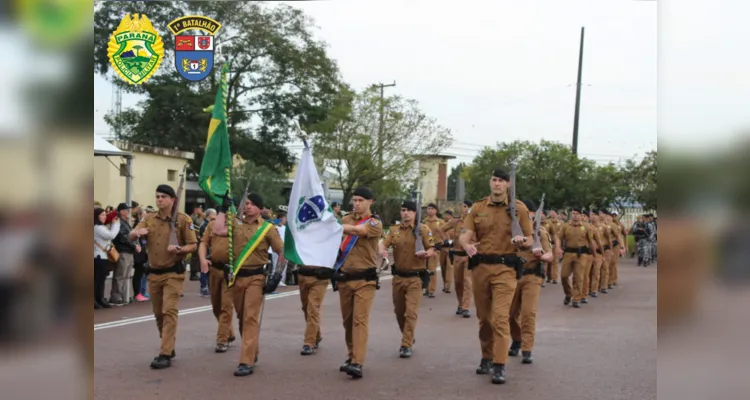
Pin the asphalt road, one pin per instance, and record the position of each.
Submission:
(604, 350)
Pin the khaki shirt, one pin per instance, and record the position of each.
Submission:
(435, 224)
(616, 235)
(241, 234)
(601, 233)
(402, 238)
(574, 235)
(491, 224)
(365, 251)
(158, 238)
(219, 245)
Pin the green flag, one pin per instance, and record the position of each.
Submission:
(213, 178)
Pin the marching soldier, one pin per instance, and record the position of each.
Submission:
(166, 270)
(252, 238)
(601, 237)
(608, 237)
(460, 262)
(213, 252)
(435, 223)
(575, 240)
(553, 268)
(494, 261)
(408, 270)
(526, 298)
(446, 261)
(356, 277)
(618, 249)
(588, 259)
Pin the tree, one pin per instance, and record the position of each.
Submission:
(278, 72)
(550, 168)
(641, 179)
(453, 181)
(349, 142)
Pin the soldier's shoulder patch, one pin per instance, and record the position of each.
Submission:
(374, 222)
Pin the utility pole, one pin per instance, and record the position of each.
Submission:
(381, 132)
(577, 114)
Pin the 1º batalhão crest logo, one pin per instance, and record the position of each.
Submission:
(135, 49)
(194, 54)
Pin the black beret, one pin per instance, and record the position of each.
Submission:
(449, 212)
(256, 199)
(166, 189)
(334, 204)
(501, 173)
(468, 203)
(363, 192)
(409, 205)
(578, 210)
(432, 205)
(530, 205)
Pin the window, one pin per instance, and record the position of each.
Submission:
(171, 175)
(123, 169)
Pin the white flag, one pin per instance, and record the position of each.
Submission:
(313, 233)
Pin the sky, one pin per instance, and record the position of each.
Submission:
(506, 70)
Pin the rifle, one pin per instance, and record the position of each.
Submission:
(537, 224)
(175, 206)
(515, 226)
(418, 245)
(241, 209)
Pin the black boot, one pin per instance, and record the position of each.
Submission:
(527, 357)
(566, 301)
(355, 371)
(306, 350)
(498, 375)
(161, 362)
(221, 348)
(404, 352)
(459, 311)
(515, 347)
(576, 304)
(484, 366)
(593, 294)
(466, 313)
(243, 370)
(345, 366)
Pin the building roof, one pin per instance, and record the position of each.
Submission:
(104, 148)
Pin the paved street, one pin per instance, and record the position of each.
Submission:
(605, 350)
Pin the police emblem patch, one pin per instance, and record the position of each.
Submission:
(135, 49)
(374, 222)
(194, 54)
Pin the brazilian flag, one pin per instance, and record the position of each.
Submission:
(214, 177)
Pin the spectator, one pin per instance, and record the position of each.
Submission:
(103, 236)
(120, 293)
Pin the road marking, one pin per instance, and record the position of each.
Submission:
(147, 318)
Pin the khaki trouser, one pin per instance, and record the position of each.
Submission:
(122, 285)
(222, 304)
(494, 286)
(462, 276)
(356, 299)
(588, 264)
(164, 291)
(311, 292)
(247, 292)
(432, 263)
(523, 311)
(446, 269)
(573, 265)
(596, 268)
(613, 266)
(604, 270)
(553, 269)
(407, 293)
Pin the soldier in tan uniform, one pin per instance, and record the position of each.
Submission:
(493, 262)
(607, 238)
(445, 247)
(461, 272)
(250, 282)
(356, 277)
(575, 240)
(601, 237)
(588, 260)
(214, 255)
(622, 242)
(166, 272)
(313, 285)
(618, 249)
(553, 268)
(435, 224)
(408, 268)
(526, 298)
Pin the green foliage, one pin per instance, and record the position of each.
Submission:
(453, 181)
(278, 72)
(349, 142)
(269, 183)
(553, 169)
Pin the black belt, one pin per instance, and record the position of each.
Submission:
(459, 253)
(538, 270)
(219, 266)
(598, 251)
(615, 242)
(578, 250)
(370, 274)
(606, 248)
(319, 273)
(178, 268)
(246, 272)
(408, 274)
